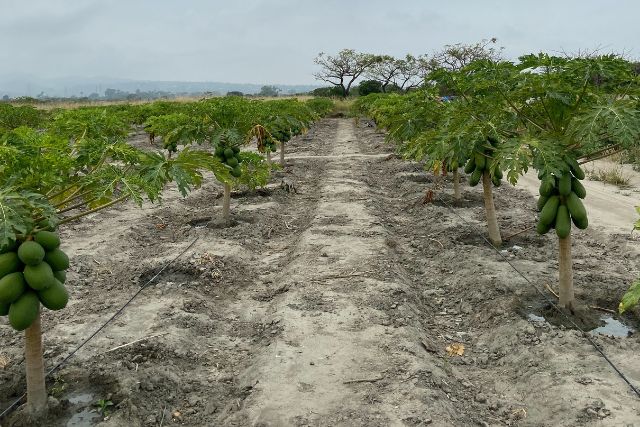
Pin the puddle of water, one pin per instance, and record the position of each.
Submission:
(80, 398)
(535, 318)
(612, 327)
(85, 418)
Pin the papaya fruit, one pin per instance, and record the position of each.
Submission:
(55, 297)
(12, 246)
(236, 150)
(578, 188)
(475, 177)
(47, 239)
(11, 287)
(499, 173)
(550, 210)
(233, 162)
(9, 263)
(31, 253)
(228, 153)
(492, 140)
(582, 223)
(546, 187)
(481, 161)
(576, 169)
(60, 275)
(563, 222)
(57, 260)
(543, 228)
(540, 174)
(564, 184)
(576, 208)
(470, 166)
(24, 311)
(39, 277)
(496, 181)
(219, 152)
(4, 309)
(542, 200)
(236, 172)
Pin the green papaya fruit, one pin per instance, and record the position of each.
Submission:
(55, 297)
(546, 187)
(31, 253)
(219, 152)
(228, 153)
(550, 210)
(576, 208)
(236, 172)
(543, 228)
(540, 174)
(9, 263)
(24, 311)
(47, 239)
(578, 188)
(39, 277)
(12, 246)
(11, 287)
(470, 166)
(496, 181)
(481, 161)
(563, 222)
(499, 173)
(564, 184)
(576, 169)
(60, 275)
(582, 223)
(233, 162)
(492, 140)
(542, 200)
(4, 309)
(57, 260)
(475, 177)
(236, 150)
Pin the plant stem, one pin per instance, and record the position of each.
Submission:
(456, 185)
(269, 157)
(490, 209)
(99, 208)
(226, 201)
(282, 153)
(567, 299)
(36, 388)
(76, 206)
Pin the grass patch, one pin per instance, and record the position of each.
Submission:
(613, 176)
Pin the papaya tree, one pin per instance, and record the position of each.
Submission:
(567, 109)
(632, 297)
(55, 177)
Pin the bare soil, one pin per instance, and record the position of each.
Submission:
(332, 306)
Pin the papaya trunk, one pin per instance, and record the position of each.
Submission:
(36, 389)
(226, 202)
(456, 185)
(269, 157)
(490, 209)
(282, 153)
(567, 299)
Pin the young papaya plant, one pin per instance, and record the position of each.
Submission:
(50, 181)
(632, 297)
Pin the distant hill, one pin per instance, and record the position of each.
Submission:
(24, 85)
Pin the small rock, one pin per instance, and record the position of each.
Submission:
(481, 398)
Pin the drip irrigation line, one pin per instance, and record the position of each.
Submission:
(547, 299)
(104, 325)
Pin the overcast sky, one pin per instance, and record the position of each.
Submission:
(275, 41)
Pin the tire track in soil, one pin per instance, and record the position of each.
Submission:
(338, 359)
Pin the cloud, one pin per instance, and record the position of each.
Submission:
(275, 41)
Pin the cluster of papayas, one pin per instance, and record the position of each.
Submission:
(32, 272)
(559, 203)
(481, 160)
(230, 156)
(269, 144)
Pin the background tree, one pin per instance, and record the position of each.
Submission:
(343, 69)
(385, 71)
(370, 86)
(270, 91)
(411, 72)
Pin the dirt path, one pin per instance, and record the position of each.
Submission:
(332, 306)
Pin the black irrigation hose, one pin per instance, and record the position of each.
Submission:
(547, 299)
(117, 313)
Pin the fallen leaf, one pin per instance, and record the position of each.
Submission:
(455, 349)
